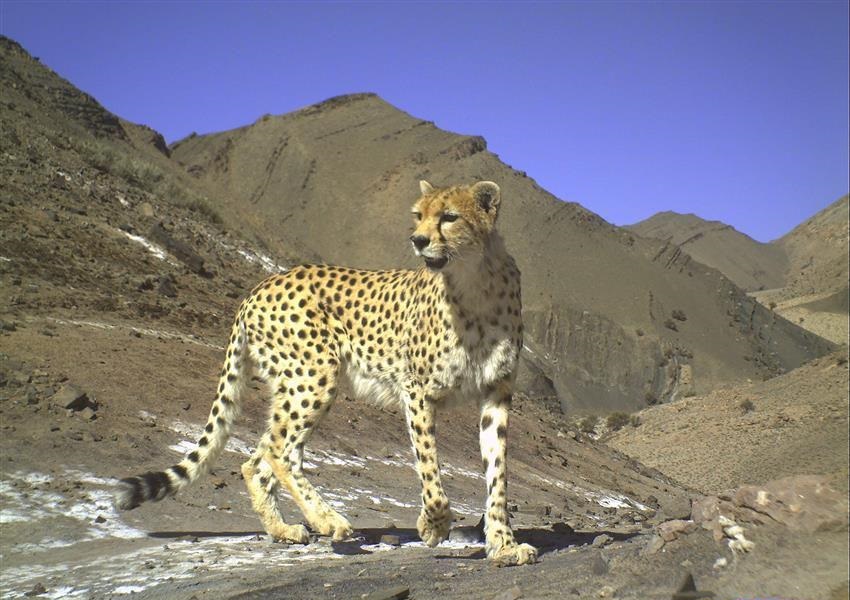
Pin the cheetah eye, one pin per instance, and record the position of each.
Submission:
(417, 215)
(448, 218)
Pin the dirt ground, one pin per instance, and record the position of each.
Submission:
(62, 535)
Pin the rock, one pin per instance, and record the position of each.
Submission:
(606, 591)
(31, 395)
(466, 535)
(601, 540)
(688, 590)
(186, 405)
(87, 414)
(100, 519)
(654, 544)
(399, 592)
(513, 593)
(671, 530)
(801, 502)
(73, 398)
(392, 540)
(166, 287)
(599, 566)
(180, 249)
(146, 209)
(8, 326)
(37, 590)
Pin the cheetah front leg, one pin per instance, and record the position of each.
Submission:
(435, 519)
(501, 545)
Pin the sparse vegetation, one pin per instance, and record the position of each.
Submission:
(772, 305)
(634, 421)
(651, 399)
(146, 176)
(679, 315)
(747, 406)
(588, 424)
(671, 324)
(639, 332)
(617, 420)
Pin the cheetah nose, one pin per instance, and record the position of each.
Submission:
(420, 241)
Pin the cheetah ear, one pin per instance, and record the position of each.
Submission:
(425, 187)
(487, 194)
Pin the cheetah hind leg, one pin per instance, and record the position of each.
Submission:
(262, 488)
(294, 418)
(321, 516)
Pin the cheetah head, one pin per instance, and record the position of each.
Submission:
(455, 223)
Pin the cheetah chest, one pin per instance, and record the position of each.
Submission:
(477, 360)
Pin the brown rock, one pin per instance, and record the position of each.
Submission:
(655, 544)
(399, 592)
(513, 593)
(392, 540)
(801, 502)
(73, 398)
(671, 530)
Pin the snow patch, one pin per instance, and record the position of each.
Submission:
(265, 261)
(194, 432)
(167, 335)
(154, 249)
(24, 501)
(606, 498)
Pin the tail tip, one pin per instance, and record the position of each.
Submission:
(129, 494)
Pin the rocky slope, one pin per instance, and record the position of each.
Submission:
(795, 423)
(802, 276)
(817, 251)
(751, 265)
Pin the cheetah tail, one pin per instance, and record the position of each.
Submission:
(156, 485)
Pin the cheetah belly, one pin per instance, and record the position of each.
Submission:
(381, 390)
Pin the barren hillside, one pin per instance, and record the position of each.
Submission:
(802, 276)
(795, 423)
(748, 263)
(336, 180)
(817, 251)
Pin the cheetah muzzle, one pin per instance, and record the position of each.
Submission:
(412, 338)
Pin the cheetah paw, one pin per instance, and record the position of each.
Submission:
(334, 525)
(295, 534)
(513, 554)
(433, 529)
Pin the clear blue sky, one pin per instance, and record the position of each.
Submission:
(736, 111)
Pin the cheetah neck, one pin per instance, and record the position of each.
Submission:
(476, 283)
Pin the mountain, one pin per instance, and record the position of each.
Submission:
(748, 263)
(802, 276)
(817, 251)
(613, 320)
(336, 180)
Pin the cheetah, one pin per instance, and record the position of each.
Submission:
(448, 331)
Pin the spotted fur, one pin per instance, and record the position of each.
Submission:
(450, 331)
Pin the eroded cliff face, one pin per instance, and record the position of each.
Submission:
(591, 363)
